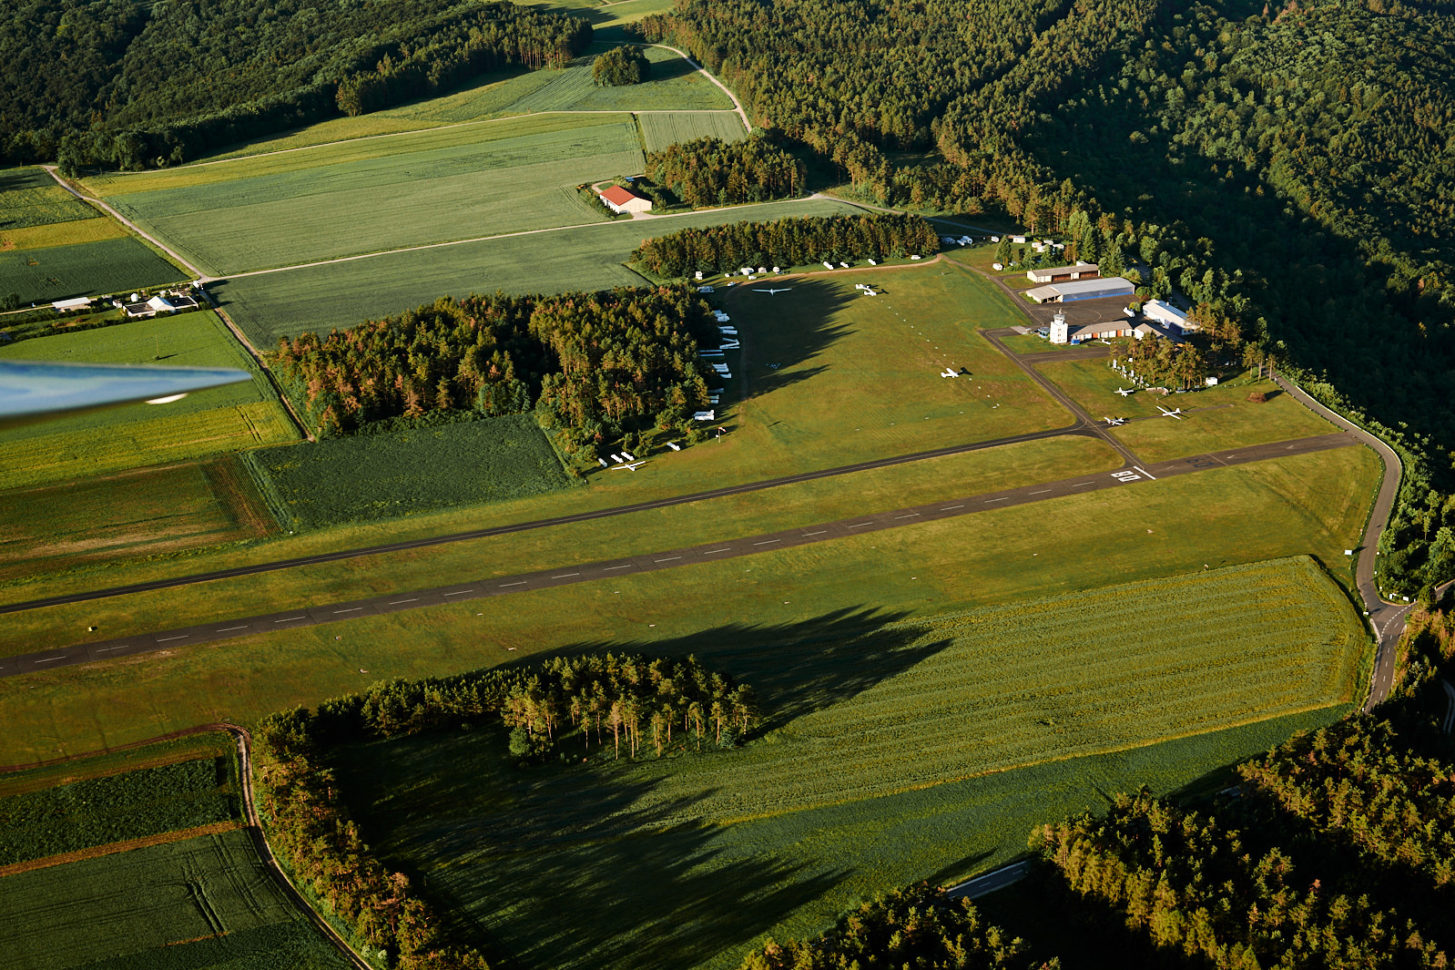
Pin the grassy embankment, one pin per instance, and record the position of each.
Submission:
(210, 422)
(881, 764)
(53, 246)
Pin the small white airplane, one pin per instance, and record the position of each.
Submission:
(629, 456)
(869, 292)
(617, 458)
(631, 468)
(603, 463)
(1174, 413)
(1125, 393)
(1115, 422)
(773, 292)
(843, 265)
(674, 446)
(704, 416)
(949, 372)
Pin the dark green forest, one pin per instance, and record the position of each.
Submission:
(1288, 166)
(710, 171)
(129, 84)
(592, 365)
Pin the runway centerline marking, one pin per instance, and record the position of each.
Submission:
(50, 660)
(565, 575)
(1041, 492)
(713, 552)
(951, 508)
(230, 629)
(290, 619)
(625, 565)
(351, 609)
(766, 542)
(412, 599)
(907, 515)
(1003, 498)
(175, 636)
(459, 592)
(666, 559)
(518, 582)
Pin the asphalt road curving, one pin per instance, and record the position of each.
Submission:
(313, 614)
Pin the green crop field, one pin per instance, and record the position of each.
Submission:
(858, 730)
(114, 808)
(139, 513)
(271, 305)
(207, 422)
(427, 187)
(30, 197)
(407, 472)
(660, 129)
(81, 269)
(204, 902)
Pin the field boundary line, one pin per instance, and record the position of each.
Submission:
(172, 254)
(125, 845)
(505, 235)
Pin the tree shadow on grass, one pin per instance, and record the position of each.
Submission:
(786, 330)
(559, 865)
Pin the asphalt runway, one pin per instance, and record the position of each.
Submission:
(571, 573)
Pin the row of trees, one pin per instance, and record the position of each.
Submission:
(311, 831)
(786, 242)
(677, 701)
(710, 171)
(1162, 363)
(914, 928)
(594, 365)
(150, 84)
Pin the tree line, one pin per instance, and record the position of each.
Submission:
(593, 365)
(710, 171)
(118, 83)
(786, 242)
(914, 928)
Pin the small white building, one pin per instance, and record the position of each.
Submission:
(1168, 315)
(71, 306)
(1059, 331)
(624, 201)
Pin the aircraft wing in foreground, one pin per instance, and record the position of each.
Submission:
(33, 391)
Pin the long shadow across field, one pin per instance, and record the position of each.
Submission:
(565, 865)
(786, 330)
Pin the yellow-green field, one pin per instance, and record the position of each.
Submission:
(210, 422)
(381, 194)
(131, 514)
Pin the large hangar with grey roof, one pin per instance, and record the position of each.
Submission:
(1095, 289)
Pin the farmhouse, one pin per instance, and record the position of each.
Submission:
(161, 303)
(622, 200)
(1093, 289)
(1064, 274)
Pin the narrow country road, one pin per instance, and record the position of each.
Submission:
(175, 256)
